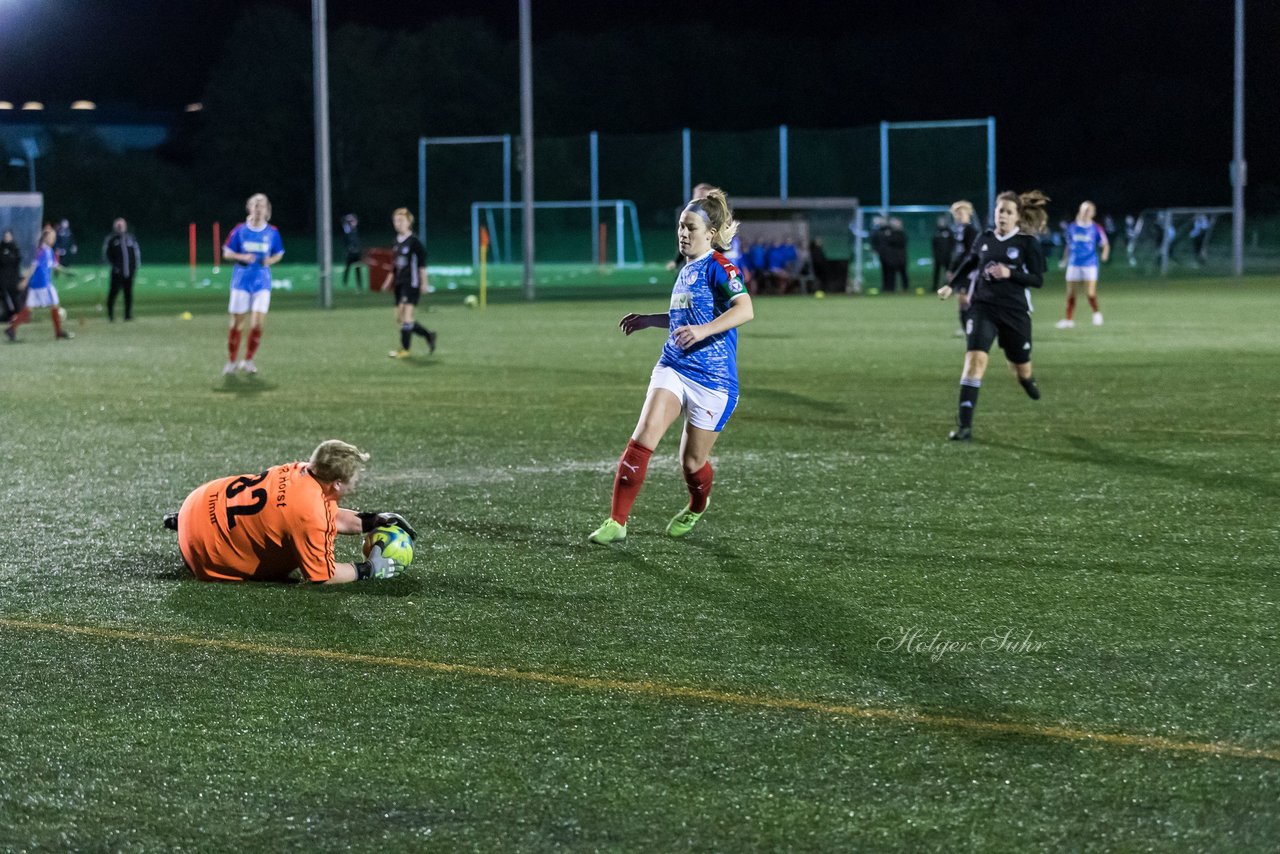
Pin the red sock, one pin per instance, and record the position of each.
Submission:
(1093, 303)
(629, 479)
(233, 343)
(20, 318)
(699, 483)
(255, 335)
(57, 321)
(1071, 306)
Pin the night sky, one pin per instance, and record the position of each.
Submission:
(1109, 87)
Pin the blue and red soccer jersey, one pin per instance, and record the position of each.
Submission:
(1083, 244)
(703, 291)
(42, 273)
(261, 244)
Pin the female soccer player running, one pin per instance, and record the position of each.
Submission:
(410, 279)
(697, 374)
(40, 290)
(1086, 241)
(1009, 264)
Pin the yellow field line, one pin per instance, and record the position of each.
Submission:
(675, 692)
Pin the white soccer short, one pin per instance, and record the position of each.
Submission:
(243, 302)
(1082, 274)
(704, 408)
(42, 297)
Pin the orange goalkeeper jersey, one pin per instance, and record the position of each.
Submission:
(259, 527)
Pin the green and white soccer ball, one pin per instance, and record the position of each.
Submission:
(396, 544)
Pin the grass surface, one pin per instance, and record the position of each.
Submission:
(744, 689)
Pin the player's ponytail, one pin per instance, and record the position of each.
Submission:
(1033, 211)
(1033, 215)
(715, 206)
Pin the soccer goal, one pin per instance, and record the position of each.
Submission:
(23, 214)
(563, 231)
(1162, 238)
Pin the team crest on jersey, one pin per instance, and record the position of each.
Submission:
(1013, 253)
(735, 285)
(984, 247)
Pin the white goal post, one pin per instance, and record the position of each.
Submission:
(624, 215)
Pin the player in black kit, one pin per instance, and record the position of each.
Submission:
(963, 233)
(1009, 263)
(409, 276)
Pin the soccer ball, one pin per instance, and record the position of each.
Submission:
(470, 301)
(396, 544)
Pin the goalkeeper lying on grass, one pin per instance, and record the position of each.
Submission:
(263, 527)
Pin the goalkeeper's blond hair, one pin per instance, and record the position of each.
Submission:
(335, 460)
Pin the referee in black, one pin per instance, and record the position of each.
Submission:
(1009, 263)
(121, 251)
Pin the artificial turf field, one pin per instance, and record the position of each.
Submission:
(745, 689)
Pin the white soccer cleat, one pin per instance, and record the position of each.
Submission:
(248, 366)
(1097, 318)
(1066, 324)
(228, 369)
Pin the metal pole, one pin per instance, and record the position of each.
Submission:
(324, 188)
(526, 134)
(594, 145)
(783, 179)
(506, 198)
(991, 170)
(884, 168)
(31, 172)
(422, 189)
(686, 149)
(1240, 169)
(618, 223)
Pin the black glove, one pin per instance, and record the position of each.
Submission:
(369, 521)
(377, 566)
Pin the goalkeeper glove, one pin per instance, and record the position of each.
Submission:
(369, 521)
(377, 566)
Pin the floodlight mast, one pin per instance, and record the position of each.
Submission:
(324, 189)
(526, 136)
(1239, 169)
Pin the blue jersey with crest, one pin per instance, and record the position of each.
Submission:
(1083, 242)
(704, 290)
(266, 241)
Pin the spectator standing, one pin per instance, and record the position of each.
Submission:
(1199, 236)
(351, 240)
(889, 242)
(943, 249)
(13, 302)
(121, 251)
(64, 245)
